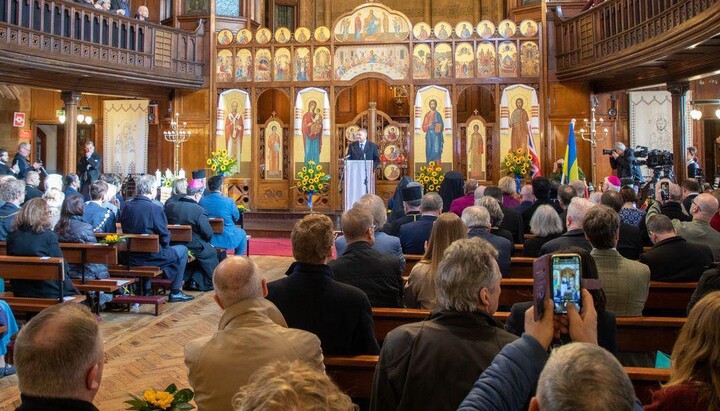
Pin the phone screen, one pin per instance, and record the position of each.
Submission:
(566, 281)
(665, 190)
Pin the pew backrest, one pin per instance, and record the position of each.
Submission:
(180, 233)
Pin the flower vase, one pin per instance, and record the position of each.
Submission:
(310, 195)
(518, 183)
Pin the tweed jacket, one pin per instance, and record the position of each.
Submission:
(626, 282)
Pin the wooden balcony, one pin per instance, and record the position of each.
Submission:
(65, 45)
(622, 43)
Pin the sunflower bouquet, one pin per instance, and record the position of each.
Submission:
(167, 179)
(312, 178)
(170, 399)
(430, 176)
(517, 163)
(112, 239)
(221, 162)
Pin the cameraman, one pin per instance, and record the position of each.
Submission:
(623, 160)
(692, 162)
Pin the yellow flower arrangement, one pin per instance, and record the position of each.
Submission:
(112, 239)
(311, 177)
(169, 399)
(430, 176)
(221, 162)
(517, 163)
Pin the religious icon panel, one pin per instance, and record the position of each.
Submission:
(475, 135)
(224, 66)
(442, 30)
(273, 150)
(322, 68)
(302, 64)
(243, 65)
(433, 128)
(421, 31)
(442, 61)
(529, 59)
(508, 59)
(282, 64)
(529, 28)
(464, 30)
(302, 35)
(422, 62)
(486, 60)
(464, 61)
(486, 29)
(312, 129)
(372, 23)
(262, 65)
(507, 28)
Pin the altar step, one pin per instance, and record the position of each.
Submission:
(278, 224)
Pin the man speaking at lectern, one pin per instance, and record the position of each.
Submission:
(361, 149)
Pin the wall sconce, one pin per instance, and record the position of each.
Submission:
(696, 114)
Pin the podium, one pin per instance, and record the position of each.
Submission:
(357, 172)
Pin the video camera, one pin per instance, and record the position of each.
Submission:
(607, 151)
(653, 158)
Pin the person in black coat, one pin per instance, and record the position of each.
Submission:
(546, 226)
(21, 160)
(142, 216)
(673, 259)
(623, 161)
(311, 300)
(377, 275)
(12, 193)
(411, 199)
(32, 181)
(541, 191)
(187, 211)
(575, 236)
(89, 168)
(414, 235)
(451, 188)
(630, 244)
(33, 237)
(179, 190)
(361, 149)
(477, 220)
(101, 219)
(607, 332)
(512, 219)
(5, 169)
(72, 184)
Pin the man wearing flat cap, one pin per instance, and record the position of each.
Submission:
(411, 195)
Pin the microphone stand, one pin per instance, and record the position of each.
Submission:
(367, 189)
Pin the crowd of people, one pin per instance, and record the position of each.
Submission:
(272, 337)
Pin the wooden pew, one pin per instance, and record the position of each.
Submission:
(218, 225)
(38, 269)
(354, 375)
(519, 248)
(410, 261)
(521, 267)
(180, 233)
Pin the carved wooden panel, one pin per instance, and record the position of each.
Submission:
(272, 195)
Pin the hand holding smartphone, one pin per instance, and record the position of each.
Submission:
(566, 275)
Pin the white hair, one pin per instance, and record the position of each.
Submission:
(53, 181)
(476, 216)
(578, 208)
(545, 221)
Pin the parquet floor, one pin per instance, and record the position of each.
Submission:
(143, 351)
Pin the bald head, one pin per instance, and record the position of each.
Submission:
(704, 207)
(237, 279)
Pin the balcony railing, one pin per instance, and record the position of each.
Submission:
(60, 29)
(611, 29)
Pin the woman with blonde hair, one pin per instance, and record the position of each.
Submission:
(54, 198)
(509, 189)
(695, 377)
(420, 288)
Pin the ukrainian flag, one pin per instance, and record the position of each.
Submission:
(570, 167)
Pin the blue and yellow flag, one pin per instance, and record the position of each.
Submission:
(570, 167)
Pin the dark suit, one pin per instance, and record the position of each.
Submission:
(339, 314)
(370, 152)
(393, 228)
(5, 170)
(69, 191)
(532, 246)
(625, 165)
(142, 216)
(7, 217)
(100, 218)
(89, 170)
(502, 245)
(630, 244)
(23, 165)
(573, 238)
(413, 235)
(186, 211)
(674, 211)
(377, 275)
(676, 260)
(32, 192)
(513, 222)
(502, 233)
(31, 244)
(528, 213)
(687, 202)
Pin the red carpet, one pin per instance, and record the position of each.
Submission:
(279, 247)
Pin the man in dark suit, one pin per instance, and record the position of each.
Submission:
(477, 220)
(89, 168)
(414, 235)
(102, 219)
(72, 184)
(310, 299)
(376, 274)
(512, 220)
(187, 211)
(361, 149)
(142, 216)
(22, 162)
(32, 181)
(411, 195)
(630, 244)
(12, 193)
(672, 207)
(5, 169)
(690, 190)
(672, 258)
(541, 191)
(575, 235)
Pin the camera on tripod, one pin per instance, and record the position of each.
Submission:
(607, 151)
(653, 158)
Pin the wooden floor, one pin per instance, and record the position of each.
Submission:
(143, 351)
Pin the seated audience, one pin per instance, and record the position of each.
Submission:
(142, 13)
(71, 228)
(219, 364)
(384, 243)
(496, 217)
(715, 220)
(395, 207)
(311, 300)
(377, 275)
(100, 218)
(291, 386)
(7, 319)
(709, 282)
(413, 236)
(575, 236)
(450, 189)
(54, 198)
(219, 206)
(12, 192)
(611, 183)
(672, 207)
(581, 189)
(509, 188)
(113, 180)
(595, 197)
(690, 190)
(541, 190)
(630, 214)
(420, 288)
(512, 220)
(546, 226)
(411, 198)
(187, 211)
(526, 198)
(142, 216)
(72, 184)
(59, 359)
(32, 236)
(459, 204)
(694, 371)
(626, 282)
(179, 190)
(32, 181)
(672, 258)
(606, 331)
(431, 365)
(630, 244)
(53, 181)
(477, 221)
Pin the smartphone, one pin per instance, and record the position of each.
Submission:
(566, 274)
(541, 284)
(665, 191)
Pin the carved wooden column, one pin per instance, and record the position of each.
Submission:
(328, 13)
(71, 100)
(427, 15)
(477, 10)
(372, 121)
(679, 131)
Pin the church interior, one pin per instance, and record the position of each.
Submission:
(271, 95)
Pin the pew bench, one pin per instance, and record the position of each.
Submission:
(354, 375)
(410, 261)
(180, 233)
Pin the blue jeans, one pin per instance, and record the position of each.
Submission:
(182, 253)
